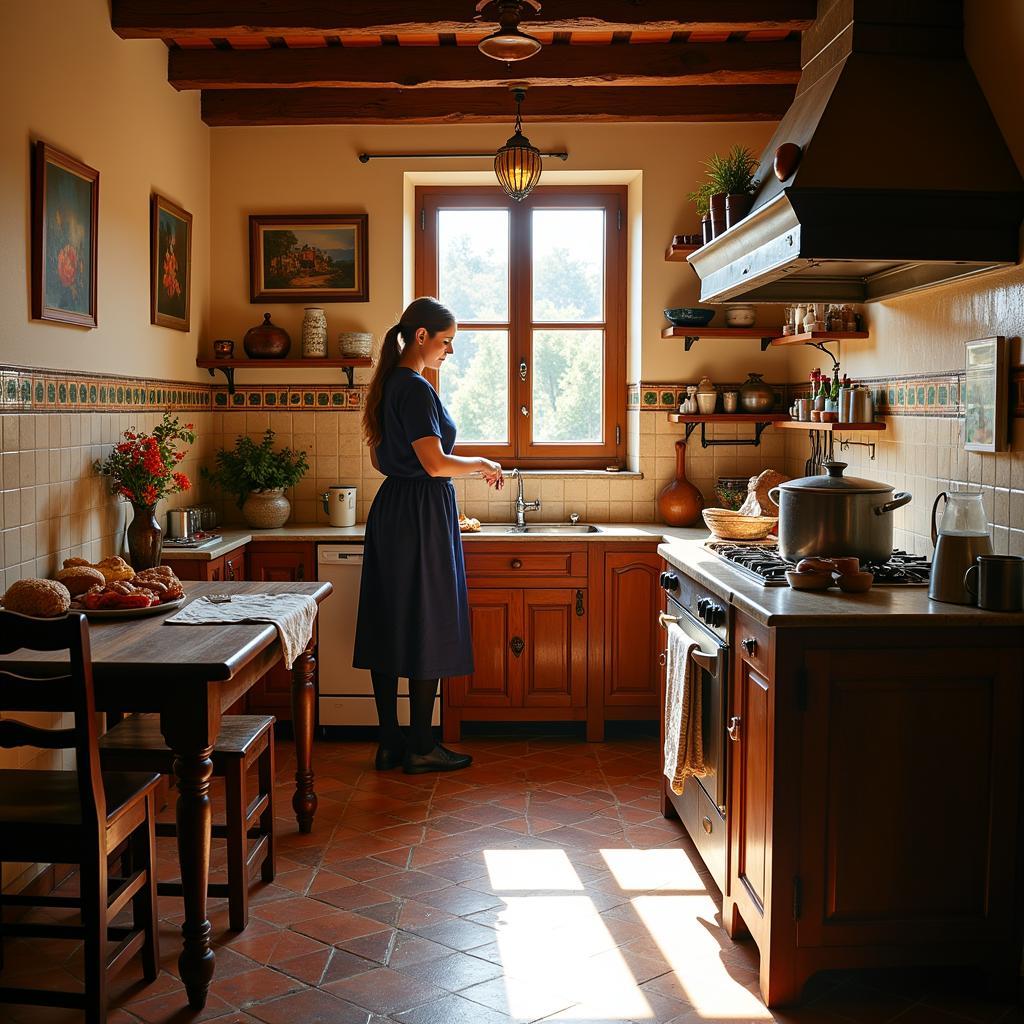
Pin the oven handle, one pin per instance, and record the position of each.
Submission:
(708, 662)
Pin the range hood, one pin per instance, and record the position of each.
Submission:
(902, 179)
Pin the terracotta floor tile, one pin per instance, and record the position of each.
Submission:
(411, 949)
(461, 901)
(375, 947)
(256, 986)
(309, 968)
(452, 1009)
(454, 972)
(313, 1006)
(353, 897)
(337, 926)
(385, 991)
(410, 883)
(286, 912)
(274, 946)
(520, 1001)
(457, 934)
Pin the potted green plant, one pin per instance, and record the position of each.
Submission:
(733, 183)
(257, 476)
(701, 198)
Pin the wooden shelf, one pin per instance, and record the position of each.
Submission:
(678, 253)
(791, 424)
(691, 334)
(817, 337)
(732, 417)
(228, 366)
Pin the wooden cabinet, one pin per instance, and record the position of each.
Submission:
(274, 562)
(874, 799)
(212, 570)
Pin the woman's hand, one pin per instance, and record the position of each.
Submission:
(492, 473)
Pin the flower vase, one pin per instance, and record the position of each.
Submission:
(145, 538)
(679, 502)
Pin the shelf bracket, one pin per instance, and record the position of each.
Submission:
(844, 445)
(689, 340)
(705, 442)
(348, 371)
(229, 375)
(766, 343)
(820, 346)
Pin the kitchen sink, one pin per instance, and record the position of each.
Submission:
(533, 528)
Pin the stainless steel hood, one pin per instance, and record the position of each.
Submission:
(903, 181)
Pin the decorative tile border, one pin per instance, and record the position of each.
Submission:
(654, 397)
(308, 398)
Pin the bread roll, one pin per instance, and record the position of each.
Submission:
(40, 598)
(79, 578)
(115, 569)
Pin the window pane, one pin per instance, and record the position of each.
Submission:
(474, 386)
(568, 386)
(568, 265)
(472, 263)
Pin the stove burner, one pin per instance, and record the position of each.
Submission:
(763, 563)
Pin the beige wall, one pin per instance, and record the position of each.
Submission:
(68, 80)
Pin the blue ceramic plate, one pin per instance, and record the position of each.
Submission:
(690, 316)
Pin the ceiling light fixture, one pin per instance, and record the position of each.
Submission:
(508, 43)
(517, 164)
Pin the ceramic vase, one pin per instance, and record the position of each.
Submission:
(145, 538)
(679, 502)
(266, 510)
(314, 333)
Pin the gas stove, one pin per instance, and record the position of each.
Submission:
(762, 563)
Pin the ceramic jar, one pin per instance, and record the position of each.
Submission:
(267, 341)
(266, 510)
(755, 395)
(314, 333)
(355, 344)
(707, 396)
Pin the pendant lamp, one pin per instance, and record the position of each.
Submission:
(508, 43)
(517, 164)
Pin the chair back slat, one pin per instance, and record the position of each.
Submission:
(17, 734)
(71, 692)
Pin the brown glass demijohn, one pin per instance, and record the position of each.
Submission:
(266, 341)
(679, 502)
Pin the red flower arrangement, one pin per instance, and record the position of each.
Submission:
(142, 466)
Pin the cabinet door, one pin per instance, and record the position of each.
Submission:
(910, 796)
(554, 658)
(631, 641)
(496, 619)
(196, 568)
(278, 563)
(751, 766)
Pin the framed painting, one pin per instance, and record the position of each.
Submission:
(309, 258)
(986, 396)
(170, 264)
(65, 213)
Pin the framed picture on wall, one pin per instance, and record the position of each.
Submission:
(170, 264)
(308, 258)
(65, 213)
(985, 396)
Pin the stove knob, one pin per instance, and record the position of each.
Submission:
(669, 581)
(702, 608)
(716, 614)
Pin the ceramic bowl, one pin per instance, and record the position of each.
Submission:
(740, 316)
(808, 580)
(689, 316)
(845, 565)
(855, 582)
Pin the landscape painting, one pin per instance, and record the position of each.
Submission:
(321, 258)
(170, 264)
(64, 223)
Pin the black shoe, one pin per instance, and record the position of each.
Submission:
(388, 757)
(440, 759)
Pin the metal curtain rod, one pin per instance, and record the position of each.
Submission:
(367, 157)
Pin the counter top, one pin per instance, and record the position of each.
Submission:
(783, 606)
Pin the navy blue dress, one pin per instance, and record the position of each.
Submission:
(413, 617)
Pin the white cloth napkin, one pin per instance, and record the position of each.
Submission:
(292, 614)
(684, 739)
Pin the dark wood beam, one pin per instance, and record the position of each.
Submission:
(147, 19)
(656, 64)
(222, 107)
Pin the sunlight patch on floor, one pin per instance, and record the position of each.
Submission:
(518, 870)
(645, 870)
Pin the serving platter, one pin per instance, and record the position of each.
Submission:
(130, 613)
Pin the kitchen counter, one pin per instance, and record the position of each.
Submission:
(783, 606)
(234, 538)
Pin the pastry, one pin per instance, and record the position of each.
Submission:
(467, 524)
(161, 582)
(40, 598)
(79, 578)
(113, 568)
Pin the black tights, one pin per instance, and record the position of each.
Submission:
(422, 693)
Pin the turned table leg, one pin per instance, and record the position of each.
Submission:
(303, 716)
(192, 771)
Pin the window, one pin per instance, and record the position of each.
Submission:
(538, 288)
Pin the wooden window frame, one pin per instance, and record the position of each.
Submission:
(521, 451)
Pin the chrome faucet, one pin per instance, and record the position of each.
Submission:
(521, 506)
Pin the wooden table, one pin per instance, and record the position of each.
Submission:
(190, 675)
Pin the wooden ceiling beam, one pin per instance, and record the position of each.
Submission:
(235, 107)
(149, 19)
(654, 64)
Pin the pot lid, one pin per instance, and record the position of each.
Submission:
(833, 482)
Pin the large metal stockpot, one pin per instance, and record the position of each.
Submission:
(834, 515)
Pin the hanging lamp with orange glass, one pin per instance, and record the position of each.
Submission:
(518, 163)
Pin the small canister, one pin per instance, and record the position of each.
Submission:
(340, 504)
(177, 523)
(846, 405)
(862, 408)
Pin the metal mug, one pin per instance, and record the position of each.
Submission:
(803, 409)
(177, 523)
(729, 400)
(997, 581)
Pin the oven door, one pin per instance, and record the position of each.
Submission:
(712, 660)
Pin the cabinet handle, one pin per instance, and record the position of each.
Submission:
(516, 563)
(706, 822)
(734, 728)
(663, 658)
(230, 566)
(749, 645)
(579, 602)
(300, 572)
(517, 643)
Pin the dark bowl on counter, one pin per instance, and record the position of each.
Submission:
(690, 316)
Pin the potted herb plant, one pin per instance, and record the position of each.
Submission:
(733, 185)
(701, 198)
(257, 476)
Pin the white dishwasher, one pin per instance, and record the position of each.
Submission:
(346, 693)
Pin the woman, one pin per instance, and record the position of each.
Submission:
(413, 608)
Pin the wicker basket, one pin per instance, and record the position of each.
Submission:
(355, 344)
(732, 526)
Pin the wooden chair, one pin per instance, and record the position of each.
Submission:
(74, 817)
(136, 744)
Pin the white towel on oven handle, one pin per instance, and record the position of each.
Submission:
(684, 740)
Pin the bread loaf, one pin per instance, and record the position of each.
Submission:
(43, 599)
(114, 568)
(79, 578)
